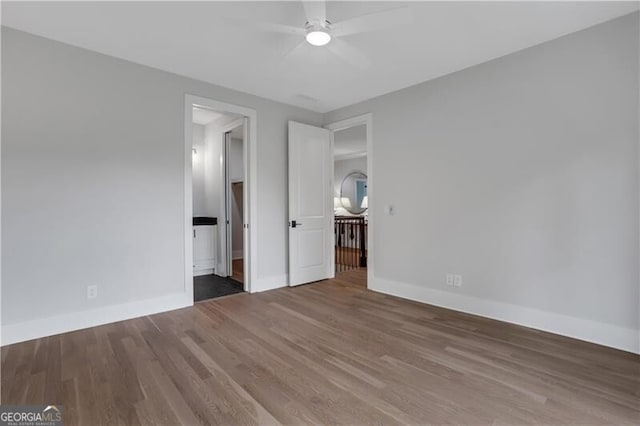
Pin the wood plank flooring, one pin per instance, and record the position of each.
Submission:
(237, 273)
(325, 353)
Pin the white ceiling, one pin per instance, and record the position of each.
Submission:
(237, 132)
(204, 116)
(204, 40)
(350, 143)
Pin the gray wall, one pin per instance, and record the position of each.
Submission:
(521, 174)
(92, 178)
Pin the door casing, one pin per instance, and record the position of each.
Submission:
(367, 121)
(250, 197)
(226, 186)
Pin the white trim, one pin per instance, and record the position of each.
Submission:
(605, 334)
(225, 205)
(28, 330)
(188, 199)
(232, 125)
(201, 272)
(638, 159)
(250, 179)
(270, 283)
(226, 268)
(331, 234)
(350, 156)
(367, 120)
(250, 239)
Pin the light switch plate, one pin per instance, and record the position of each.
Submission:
(457, 280)
(449, 279)
(92, 291)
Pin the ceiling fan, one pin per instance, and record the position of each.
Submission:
(319, 31)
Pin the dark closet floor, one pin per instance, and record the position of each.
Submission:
(210, 286)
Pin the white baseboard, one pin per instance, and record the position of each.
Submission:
(626, 339)
(200, 272)
(237, 254)
(269, 283)
(20, 332)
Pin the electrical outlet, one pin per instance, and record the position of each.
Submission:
(457, 280)
(449, 279)
(92, 291)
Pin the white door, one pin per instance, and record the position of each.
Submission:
(228, 237)
(310, 203)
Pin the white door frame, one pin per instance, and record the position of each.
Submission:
(225, 213)
(367, 120)
(250, 196)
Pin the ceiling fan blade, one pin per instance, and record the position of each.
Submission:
(315, 10)
(271, 27)
(348, 54)
(373, 22)
(293, 49)
(280, 28)
(288, 50)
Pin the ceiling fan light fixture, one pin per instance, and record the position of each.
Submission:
(318, 38)
(318, 34)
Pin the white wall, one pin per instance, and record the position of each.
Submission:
(236, 161)
(198, 171)
(214, 142)
(520, 174)
(92, 184)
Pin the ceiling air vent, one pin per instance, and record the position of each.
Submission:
(307, 98)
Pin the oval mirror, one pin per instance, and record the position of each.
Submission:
(353, 193)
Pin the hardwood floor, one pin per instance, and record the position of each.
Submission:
(237, 273)
(325, 353)
(347, 258)
(356, 277)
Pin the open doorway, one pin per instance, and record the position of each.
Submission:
(351, 202)
(329, 224)
(351, 199)
(217, 246)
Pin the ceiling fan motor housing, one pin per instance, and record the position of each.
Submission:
(318, 32)
(317, 25)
